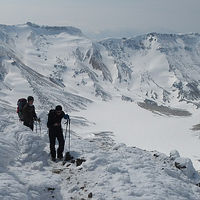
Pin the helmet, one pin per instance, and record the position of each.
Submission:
(58, 108)
(30, 98)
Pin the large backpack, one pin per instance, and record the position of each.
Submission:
(50, 116)
(20, 104)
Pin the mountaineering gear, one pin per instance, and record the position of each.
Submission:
(68, 122)
(55, 117)
(67, 156)
(29, 115)
(55, 131)
(38, 121)
(36, 126)
(53, 159)
(39, 125)
(66, 117)
(20, 104)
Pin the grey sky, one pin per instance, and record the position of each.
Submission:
(106, 16)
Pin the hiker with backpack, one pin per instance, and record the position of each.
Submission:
(28, 113)
(56, 132)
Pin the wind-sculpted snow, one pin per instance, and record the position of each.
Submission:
(22, 163)
(121, 172)
(18, 143)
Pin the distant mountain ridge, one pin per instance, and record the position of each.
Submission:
(159, 68)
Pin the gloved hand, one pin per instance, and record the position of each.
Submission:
(66, 116)
(37, 119)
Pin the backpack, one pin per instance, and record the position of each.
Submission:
(20, 104)
(52, 112)
(50, 115)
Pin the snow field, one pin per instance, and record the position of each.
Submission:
(111, 171)
(138, 127)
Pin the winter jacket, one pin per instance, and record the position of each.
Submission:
(53, 119)
(29, 114)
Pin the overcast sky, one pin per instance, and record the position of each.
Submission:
(117, 17)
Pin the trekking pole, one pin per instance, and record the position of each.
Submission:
(67, 156)
(36, 126)
(66, 130)
(69, 135)
(40, 127)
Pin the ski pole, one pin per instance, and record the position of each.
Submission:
(66, 130)
(40, 127)
(36, 126)
(67, 154)
(69, 135)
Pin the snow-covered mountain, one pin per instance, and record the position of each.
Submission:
(163, 68)
(60, 65)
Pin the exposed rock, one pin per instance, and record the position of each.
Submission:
(160, 109)
(186, 166)
(90, 195)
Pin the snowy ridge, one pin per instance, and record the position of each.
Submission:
(110, 171)
(55, 29)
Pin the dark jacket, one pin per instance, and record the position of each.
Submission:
(29, 114)
(53, 119)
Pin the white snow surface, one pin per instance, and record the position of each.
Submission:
(130, 153)
(110, 171)
(135, 126)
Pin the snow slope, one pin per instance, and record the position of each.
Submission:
(110, 171)
(135, 126)
(108, 88)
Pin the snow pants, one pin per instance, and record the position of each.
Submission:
(56, 133)
(29, 124)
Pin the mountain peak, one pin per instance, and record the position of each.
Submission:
(56, 29)
(45, 30)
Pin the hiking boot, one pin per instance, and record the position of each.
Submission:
(53, 159)
(60, 157)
